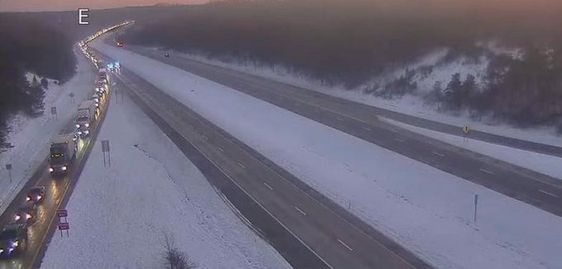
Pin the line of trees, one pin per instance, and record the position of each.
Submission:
(29, 46)
(350, 42)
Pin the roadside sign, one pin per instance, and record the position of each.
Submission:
(54, 112)
(62, 213)
(9, 168)
(475, 206)
(105, 145)
(104, 149)
(64, 226)
(465, 129)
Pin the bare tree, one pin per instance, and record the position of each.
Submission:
(174, 258)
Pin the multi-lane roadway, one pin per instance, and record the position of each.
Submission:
(362, 121)
(308, 229)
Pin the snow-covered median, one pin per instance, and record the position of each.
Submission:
(120, 215)
(426, 210)
(542, 163)
(31, 137)
(408, 104)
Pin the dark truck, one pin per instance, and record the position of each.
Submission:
(85, 117)
(13, 238)
(62, 153)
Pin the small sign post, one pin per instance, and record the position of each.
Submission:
(475, 206)
(466, 131)
(62, 213)
(54, 112)
(9, 168)
(71, 95)
(63, 225)
(105, 149)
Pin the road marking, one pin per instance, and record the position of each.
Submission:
(143, 99)
(393, 130)
(345, 245)
(486, 171)
(399, 139)
(267, 185)
(549, 193)
(241, 165)
(281, 223)
(366, 128)
(300, 211)
(339, 119)
(438, 154)
(222, 150)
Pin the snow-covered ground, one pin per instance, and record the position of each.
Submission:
(426, 210)
(120, 214)
(542, 163)
(408, 104)
(31, 136)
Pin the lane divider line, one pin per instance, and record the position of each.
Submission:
(345, 245)
(300, 211)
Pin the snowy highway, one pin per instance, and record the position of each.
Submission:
(307, 230)
(392, 193)
(59, 190)
(360, 120)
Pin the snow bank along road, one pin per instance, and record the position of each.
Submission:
(360, 120)
(305, 227)
(168, 195)
(181, 62)
(58, 193)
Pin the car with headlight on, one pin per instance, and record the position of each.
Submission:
(101, 86)
(36, 195)
(26, 215)
(97, 99)
(85, 117)
(13, 239)
(62, 153)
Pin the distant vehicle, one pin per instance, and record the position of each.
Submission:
(102, 75)
(120, 44)
(167, 55)
(101, 80)
(62, 153)
(101, 83)
(26, 215)
(36, 195)
(101, 89)
(75, 137)
(12, 240)
(96, 98)
(85, 117)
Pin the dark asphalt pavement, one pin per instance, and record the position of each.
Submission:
(308, 229)
(362, 121)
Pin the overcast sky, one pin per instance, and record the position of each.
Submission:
(55, 5)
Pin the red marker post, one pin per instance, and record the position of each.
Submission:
(63, 225)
